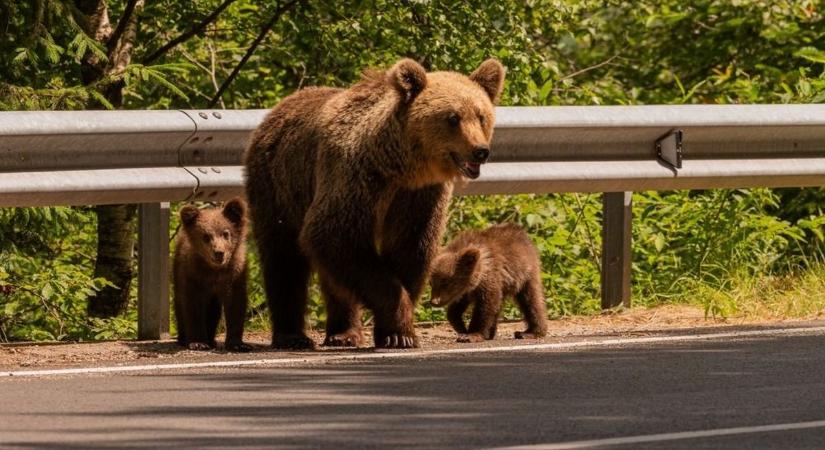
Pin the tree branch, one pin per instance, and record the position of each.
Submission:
(185, 36)
(121, 26)
(588, 69)
(268, 26)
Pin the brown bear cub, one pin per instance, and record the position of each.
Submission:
(481, 268)
(209, 274)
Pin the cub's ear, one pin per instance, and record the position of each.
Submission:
(469, 258)
(235, 211)
(408, 77)
(490, 76)
(189, 215)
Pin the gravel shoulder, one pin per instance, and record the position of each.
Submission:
(632, 322)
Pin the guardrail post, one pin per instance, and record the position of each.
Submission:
(616, 249)
(153, 271)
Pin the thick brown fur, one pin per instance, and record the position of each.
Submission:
(481, 268)
(354, 184)
(210, 274)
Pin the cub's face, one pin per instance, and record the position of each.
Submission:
(450, 116)
(454, 274)
(215, 234)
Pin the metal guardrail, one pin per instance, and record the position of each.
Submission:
(154, 157)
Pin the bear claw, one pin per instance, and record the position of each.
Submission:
(239, 347)
(472, 337)
(348, 339)
(528, 335)
(198, 346)
(293, 342)
(397, 341)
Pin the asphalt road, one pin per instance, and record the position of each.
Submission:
(639, 394)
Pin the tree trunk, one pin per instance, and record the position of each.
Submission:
(115, 223)
(115, 247)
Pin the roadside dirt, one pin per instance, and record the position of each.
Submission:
(632, 322)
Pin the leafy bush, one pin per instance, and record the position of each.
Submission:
(711, 245)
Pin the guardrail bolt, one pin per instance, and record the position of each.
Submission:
(216, 115)
(203, 115)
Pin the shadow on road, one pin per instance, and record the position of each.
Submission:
(453, 401)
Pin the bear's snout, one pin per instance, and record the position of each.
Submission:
(218, 255)
(481, 154)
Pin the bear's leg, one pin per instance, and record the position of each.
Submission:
(180, 314)
(486, 307)
(411, 233)
(531, 302)
(362, 275)
(286, 277)
(213, 318)
(234, 307)
(455, 314)
(343, 319)
(343, 250)
(195, 320)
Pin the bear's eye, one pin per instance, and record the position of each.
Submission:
(207, 238)
(225, 234)
(481, 120)
(453, 119)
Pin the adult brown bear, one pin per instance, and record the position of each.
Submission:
(354, 184)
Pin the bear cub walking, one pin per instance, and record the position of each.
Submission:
(210, 274)
(481, 268)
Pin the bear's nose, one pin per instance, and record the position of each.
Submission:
(218, 256)
(481, 154)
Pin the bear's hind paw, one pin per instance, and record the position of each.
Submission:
(293, 342)
(472, 337)
(528, 335)
(239, 347)
(198, 346)
(347, 339)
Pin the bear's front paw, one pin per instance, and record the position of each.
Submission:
(396, 340)
(198, 346)
(472, 337)
(239, 347)
(351, 338)
(298, 341)
(528, 335)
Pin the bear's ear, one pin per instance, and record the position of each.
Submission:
(490, 76)
(408, 77)
(235, 211)
(189, 215)
(469, 258)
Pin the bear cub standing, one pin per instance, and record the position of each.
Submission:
(209, 274)
(481, 268)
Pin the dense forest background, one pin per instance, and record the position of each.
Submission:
(65, 273)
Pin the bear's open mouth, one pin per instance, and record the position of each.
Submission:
(470, 170)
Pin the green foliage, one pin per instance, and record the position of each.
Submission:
(45, 277)
(718, 246)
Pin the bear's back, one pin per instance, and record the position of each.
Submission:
(512, 258)
(282, 153)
